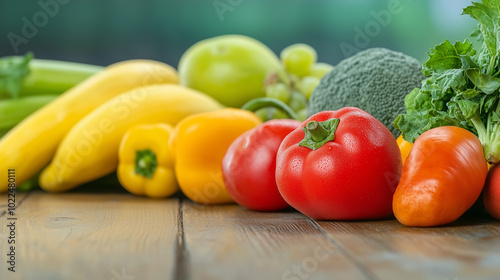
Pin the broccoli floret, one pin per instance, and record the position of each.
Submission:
(375, 80)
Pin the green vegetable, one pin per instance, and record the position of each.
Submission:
(26, 76)
(13, 111)
(462, 87)
(375, 80)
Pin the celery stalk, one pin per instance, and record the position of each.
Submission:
(26, 76)
(13, 111)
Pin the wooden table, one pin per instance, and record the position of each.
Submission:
(114, 235)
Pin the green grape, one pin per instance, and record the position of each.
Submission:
(319, 69)
(297, 101)
(279, 91)
(298, 58)
(307, 85)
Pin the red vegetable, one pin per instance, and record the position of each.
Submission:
(249, 166)
(491, 192)
(339, 165)
(442, 177)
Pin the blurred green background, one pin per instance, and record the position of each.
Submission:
(104, 32)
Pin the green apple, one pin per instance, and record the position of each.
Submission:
(230, 68)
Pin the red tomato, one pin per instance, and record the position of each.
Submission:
(351, 173)
(249, 166)
(491, 194)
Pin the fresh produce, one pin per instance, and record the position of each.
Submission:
(30, 145)
(26, 76)
(90, 149)
(13, 111)
(200, 144)
(295, 86)
(443, 176)
(339, 165)
(404, 147)
(298, 59)
(146, 163)
(230, 68)
(249, 165)
(319, 69)
(491, 192)
(375, 80)
(462, 87)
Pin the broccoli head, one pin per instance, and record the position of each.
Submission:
(375, 80)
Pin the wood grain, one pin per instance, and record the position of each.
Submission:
(20, 196)
(109, 235)
(92, 236)
(230, 242)
(464, 250)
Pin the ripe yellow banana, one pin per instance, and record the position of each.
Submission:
(90, 149)
(29, 146)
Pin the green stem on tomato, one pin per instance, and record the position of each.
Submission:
(317, 130)
(262, 102)
(319, 133)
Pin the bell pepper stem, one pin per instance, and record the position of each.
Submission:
(145, 163)
(262, 102)
(317, 130)
(319, 133)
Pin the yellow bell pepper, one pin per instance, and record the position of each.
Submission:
(404, 147)
(200, 142)
(146, 165)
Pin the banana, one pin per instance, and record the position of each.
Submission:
(90, 149)
(29, 146)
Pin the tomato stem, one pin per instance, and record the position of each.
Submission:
(317, 130)
(319, 133)
(145, 163)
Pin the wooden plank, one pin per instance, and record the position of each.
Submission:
(464, 250)
(230, 242)
(92, 236)
(4, 199)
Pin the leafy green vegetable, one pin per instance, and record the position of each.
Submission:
(462, 87)
(12, 72)
(447, 56)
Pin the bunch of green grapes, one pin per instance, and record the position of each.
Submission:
(302, 75)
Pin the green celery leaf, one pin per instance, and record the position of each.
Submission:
(415, 123)
(467, 62)
(483, 59)
(476, 34)
(486, 83)
(468, 108)
(12, 72)
(494, 118)
(470, 93)
(488, 103)
(452, 79)
(447, 56)
(488, 14)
